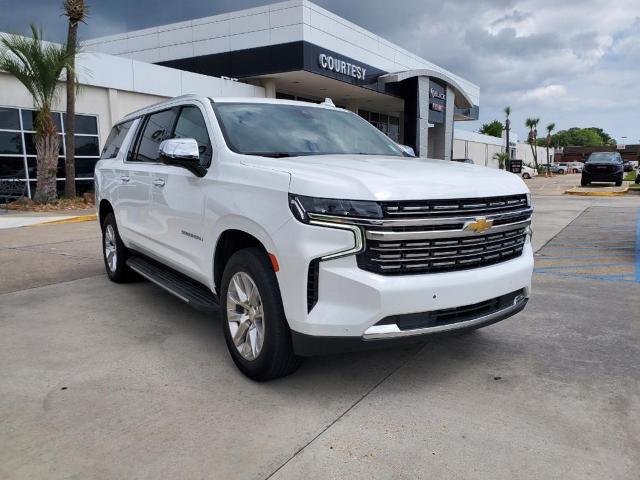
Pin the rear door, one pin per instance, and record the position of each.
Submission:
(140, 170)
(178, 200)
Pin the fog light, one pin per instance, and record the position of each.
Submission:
(519, 299)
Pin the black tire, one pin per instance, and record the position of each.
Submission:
(118, 271)
(619, 183)
(526, 176)
(276, 358)
(584, 182)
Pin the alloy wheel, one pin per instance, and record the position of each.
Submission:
(245, 315)
(110, 250)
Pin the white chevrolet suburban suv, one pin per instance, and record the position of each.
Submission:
(308, 228)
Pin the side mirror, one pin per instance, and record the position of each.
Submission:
(407, 149)
(182, 152)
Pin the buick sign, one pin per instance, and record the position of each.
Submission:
(340, 66)
(436, 94)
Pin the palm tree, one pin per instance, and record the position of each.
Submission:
(532, 125)
(76, 12)
(38, 66)
(502, 158)
(547, 141)
(507, 128)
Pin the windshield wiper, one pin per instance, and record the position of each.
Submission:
(272, 154)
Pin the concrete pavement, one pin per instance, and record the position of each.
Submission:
(124, 381)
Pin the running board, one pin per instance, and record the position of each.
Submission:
(186, 289)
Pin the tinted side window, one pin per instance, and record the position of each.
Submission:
(157, 129)
(116, 137)
(191, 125)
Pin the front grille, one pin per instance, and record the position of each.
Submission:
(428, 244)
(443, 208)
(450, 316)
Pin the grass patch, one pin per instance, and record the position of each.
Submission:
(61, 205)
(630, 176)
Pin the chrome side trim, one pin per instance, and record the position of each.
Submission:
(435, 234)
(357, 233)
(417, 221)
(379, 332)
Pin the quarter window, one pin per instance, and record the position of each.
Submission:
(116, 137)
(156, 129)
(191, 125)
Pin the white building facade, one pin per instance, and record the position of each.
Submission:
(292, 50)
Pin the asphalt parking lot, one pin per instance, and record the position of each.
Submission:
(123, 381)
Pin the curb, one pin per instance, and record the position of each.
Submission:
(596, 193)
(76, 219)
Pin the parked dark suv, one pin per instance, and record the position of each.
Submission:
(603, 167)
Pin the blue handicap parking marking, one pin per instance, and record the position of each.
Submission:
(603, 244)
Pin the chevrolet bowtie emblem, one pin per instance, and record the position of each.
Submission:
(479, 225)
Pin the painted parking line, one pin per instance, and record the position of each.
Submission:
(602, 244)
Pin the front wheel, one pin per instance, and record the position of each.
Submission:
(526, 176)
(114, 252)
(584, 182)
(255, 328)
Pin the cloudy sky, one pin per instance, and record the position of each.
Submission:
(572, 62)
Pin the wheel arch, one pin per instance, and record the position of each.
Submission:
(234, 236)
(104, 209)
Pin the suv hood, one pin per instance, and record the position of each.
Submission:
(372, 177)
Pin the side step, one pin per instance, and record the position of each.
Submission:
(186, 289)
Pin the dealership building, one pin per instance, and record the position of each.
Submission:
(289, 50)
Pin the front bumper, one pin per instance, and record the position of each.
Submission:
(308, 345)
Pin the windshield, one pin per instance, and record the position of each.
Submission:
(279, 130)
(605, 157)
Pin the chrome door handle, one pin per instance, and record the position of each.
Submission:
(158, 182)
(124, 179)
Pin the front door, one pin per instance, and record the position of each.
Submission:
(178, 202)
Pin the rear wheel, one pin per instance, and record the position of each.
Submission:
(619, 183)
(584, 181)
(526, 176)
(114, 252)
(255, 328)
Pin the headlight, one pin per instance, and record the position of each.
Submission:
(302, 206)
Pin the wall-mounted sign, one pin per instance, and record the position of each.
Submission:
(436, 94)
(337, 65)
(437, 107)
(515, 166)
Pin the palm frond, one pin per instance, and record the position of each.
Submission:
(37, 64)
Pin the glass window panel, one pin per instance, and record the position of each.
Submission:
(364, 114)
(374, 117)
(115, 139)
(12, 167)
(156, 130)
(87, 124)
(29, 119)
(384, 118)
(32, 165)
(87, 146)
(191, 125)
(9, 118)
(85, 167)
(30, 145)
(394, 120)
(10, 143)
(284, 96)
